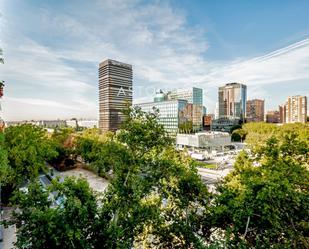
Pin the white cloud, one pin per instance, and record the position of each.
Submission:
(58, 59)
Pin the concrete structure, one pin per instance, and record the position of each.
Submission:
(115, 93)
(83, 123)
(273, 117)
(296, 109)
(52, 124)
(255, 110)
(232, 101)
(203, 140)
(224, 124)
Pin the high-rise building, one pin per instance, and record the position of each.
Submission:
(273, 117)
(296, 109)
(255, 110)
(194, 98)
(282, 113)
(177, 108)
(115, 93)
(232, 101)
(193, 95)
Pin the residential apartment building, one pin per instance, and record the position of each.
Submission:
(255, 110)
(115, 93)
(296, 109)
(232, 101)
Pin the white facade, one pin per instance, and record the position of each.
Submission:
(203, 140)
(83, 123)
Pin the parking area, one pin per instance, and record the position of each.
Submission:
(97, 183)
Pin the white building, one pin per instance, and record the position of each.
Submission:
(205, 140)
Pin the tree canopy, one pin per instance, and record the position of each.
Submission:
(42, 224)
(263, 202)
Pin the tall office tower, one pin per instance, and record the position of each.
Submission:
(255, 110)
(232, 101)
(193, 95)
(296, 109)
(115, 92)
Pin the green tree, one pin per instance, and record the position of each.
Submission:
(42, 224)
(263, 202)
(64, 143)
(239, 135)
(155, 195)
(186, 127)
(4, 167)
(28, 148)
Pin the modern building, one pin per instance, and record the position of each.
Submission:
(225, 124)
(85, 123)
(204, 140)
(115, 93)
(51, 124)
(178, 109)
(171, 113)
(255, 110)
(273, 117)
(296, 109)
(193, 95)
(194, 109)
(232, 101)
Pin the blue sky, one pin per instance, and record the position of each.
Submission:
(52, 50)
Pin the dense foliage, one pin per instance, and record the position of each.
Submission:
(155, 198)
(264, 201)
(27, 148)
(43, 224)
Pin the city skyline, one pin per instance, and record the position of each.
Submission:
(51, 58)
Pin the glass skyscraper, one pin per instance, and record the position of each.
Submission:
(177, 108)
(170, 113)
(232, 101)
(193, 95)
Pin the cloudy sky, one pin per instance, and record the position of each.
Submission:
(52, 50)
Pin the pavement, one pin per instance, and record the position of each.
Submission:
(9, 234)
(97, 183)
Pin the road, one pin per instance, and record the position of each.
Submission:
(211, 177)
(9, 235)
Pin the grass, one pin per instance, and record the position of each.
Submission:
(205, 165)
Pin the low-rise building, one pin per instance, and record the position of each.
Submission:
(273, 117)
(225, 124)
(204, 140)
